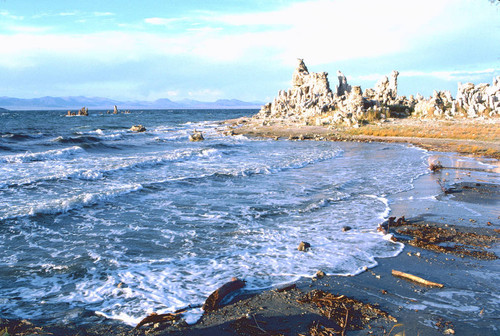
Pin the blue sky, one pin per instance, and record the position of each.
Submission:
(213, 49)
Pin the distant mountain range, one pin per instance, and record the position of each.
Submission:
(62, 103)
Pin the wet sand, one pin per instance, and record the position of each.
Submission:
(462, 197)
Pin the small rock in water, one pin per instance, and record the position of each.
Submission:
(196, 136)
(304, 246)
(346, 228)
(320, 274)
(138, 128)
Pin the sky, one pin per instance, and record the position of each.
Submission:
(240, 49)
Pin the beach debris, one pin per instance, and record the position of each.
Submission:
(249, 325)
(286, 288)
(446, 327)
(318, 329)
(448, 239)
(345, 313)
(443, 188)
(138, 128)
(159, 318)
(416, 279)
(196, 136)
(435, 166)
(213, 302)
(304, 246)
(391, 222)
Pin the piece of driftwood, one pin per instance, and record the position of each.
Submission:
(213, 301)
(416, 279)
(286, 288)
(159, 318)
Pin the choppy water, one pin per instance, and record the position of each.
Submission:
(96, 218)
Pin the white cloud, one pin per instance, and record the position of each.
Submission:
(160, 21)
(6, 14)
(452, 75)
(326, 31)
(68, 13)
(103, 14)
(319, 31)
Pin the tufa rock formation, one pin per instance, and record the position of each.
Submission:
(82, 112)
(472, 101)
(311, 101)
(477, 100)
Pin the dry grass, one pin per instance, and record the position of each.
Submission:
(434, 129)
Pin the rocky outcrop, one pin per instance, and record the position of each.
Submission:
(478, 100)
(310, 95)
(311, 101)
(82, 112)
(385, 91)
(437, 106)
(472, 101)
(343, 88)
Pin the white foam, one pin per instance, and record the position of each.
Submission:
(62, 205)
(55, 154)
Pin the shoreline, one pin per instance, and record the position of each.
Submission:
(488, 147)
(272, 312)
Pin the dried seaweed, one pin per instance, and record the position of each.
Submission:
(446, 239)
(345, 313)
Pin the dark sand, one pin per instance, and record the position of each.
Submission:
(468, 201)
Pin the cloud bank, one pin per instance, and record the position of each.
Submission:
(245, 54)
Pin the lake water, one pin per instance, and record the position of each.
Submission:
(96, 219)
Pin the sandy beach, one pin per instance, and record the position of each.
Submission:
(459, 252)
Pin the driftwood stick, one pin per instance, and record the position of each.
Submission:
(158, 318)
(416, 279)
(345, 322)
(214, 300)
(258, 326)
